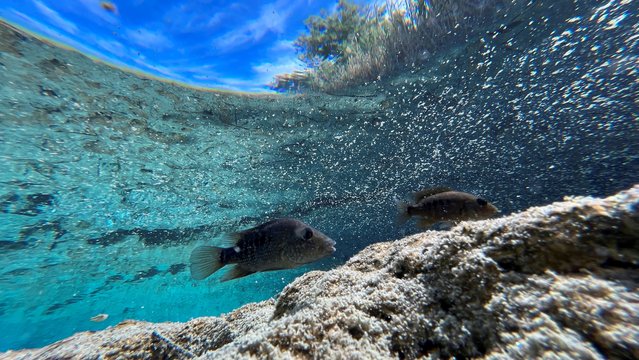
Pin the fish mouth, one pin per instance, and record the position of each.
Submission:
(330, 245)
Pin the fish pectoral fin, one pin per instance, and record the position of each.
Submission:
(425, 223)
(443, 225)
(402, 213)
(419, 195)
(205, 260)
(236, 272)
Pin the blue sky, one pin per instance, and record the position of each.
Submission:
(219, 44)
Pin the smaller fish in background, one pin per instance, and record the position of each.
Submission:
(109, 6)
(275, 245)
(442, 204)
(99, 317)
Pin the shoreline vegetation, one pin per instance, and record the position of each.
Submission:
(359, 44)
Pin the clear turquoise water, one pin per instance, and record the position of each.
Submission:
(109, 180)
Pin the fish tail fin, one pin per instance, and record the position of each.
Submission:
(402, 213)
(205, 260)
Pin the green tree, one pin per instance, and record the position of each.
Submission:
(329, 35)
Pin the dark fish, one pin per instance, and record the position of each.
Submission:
(439, 204)
(275, 245)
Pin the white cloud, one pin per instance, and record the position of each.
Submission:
(263, 74)
(187, 18)
(149, 39)
(168, 72)
(55, 18)
(283, 45)
(272, 18)
(198, 71)
(267, 70)
(114, 47)
(156, 69)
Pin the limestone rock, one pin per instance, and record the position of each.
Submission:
(559, 279)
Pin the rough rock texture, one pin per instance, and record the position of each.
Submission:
(559, 279)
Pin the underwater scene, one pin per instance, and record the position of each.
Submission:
(137, 189)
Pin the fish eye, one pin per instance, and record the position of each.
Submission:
(482, 202)
(308, 234)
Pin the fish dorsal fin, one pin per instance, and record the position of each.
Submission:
(419, 195)
(228, 240)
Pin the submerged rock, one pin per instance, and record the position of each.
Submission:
(560, 279)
